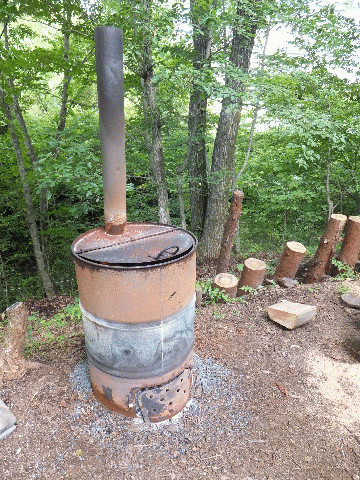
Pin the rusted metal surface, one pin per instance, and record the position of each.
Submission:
(136, 281)
(110, 85)
(131, 397)
(142, 244)
(136, 294)
(140, 350)
(139, 318)
(163, 401)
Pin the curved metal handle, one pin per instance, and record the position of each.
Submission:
(166, 251)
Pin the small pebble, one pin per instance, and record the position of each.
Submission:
(172, 429)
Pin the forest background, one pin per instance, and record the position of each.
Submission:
(201, 120)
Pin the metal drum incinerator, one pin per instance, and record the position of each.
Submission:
(136, 280)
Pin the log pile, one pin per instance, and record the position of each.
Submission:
(254, 270)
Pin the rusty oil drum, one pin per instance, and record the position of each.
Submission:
(137, 295)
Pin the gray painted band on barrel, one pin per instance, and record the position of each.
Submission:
(142, 350)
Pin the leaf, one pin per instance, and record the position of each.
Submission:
(282, 389)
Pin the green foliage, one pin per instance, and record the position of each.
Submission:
(58, 329)
(272, 284)
(342, 271)
(271, 266)
(247, 289)
(343, 289)
(309, 123)
(214, 295)
(71, 313)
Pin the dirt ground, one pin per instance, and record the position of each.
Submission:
(267, 403)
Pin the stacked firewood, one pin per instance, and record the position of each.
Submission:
(254, 270)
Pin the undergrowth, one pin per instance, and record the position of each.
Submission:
(59, 328)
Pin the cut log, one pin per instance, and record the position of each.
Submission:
(17, 316)
(227, 283)
(290, 314)
(320, 264)
(229, 232)
(12, 362)
(290, 260)
(252, 276)
(350, 248)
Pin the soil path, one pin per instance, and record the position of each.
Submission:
(267, 403)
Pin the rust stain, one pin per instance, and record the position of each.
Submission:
(135, 295)
(158, 398)
(132, 294)
(107, 393)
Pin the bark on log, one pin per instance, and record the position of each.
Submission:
(229, 231)
(16, 330)
(12, 362)
(227, 283)
(350, 248)
(325, 251)
(290, 260)
(253, 275)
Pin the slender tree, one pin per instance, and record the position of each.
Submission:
(196, 160)
(152, 116)
(31, 217)
(223, 159)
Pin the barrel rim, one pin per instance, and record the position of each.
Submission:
(158, 264)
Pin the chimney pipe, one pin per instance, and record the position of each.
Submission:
(110, 86)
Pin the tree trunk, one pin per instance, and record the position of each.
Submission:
(229, 231)
(181, 202)
(226, 282)
(17, 316)
(257, 108)
(66, 84)
(223, 158)
(47, 283)
(12, 362)
(252, 276)
(29, 147)
(290, 260)
(325, 251)
(328, 197)
(18, 113)
(153, 120)
(350, 248)
(196, 148)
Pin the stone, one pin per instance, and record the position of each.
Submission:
(7, 421)
(172, 428)
(291, 314)
(351, 300)
(287, 282)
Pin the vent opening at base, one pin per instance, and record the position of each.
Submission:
(161, 402)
